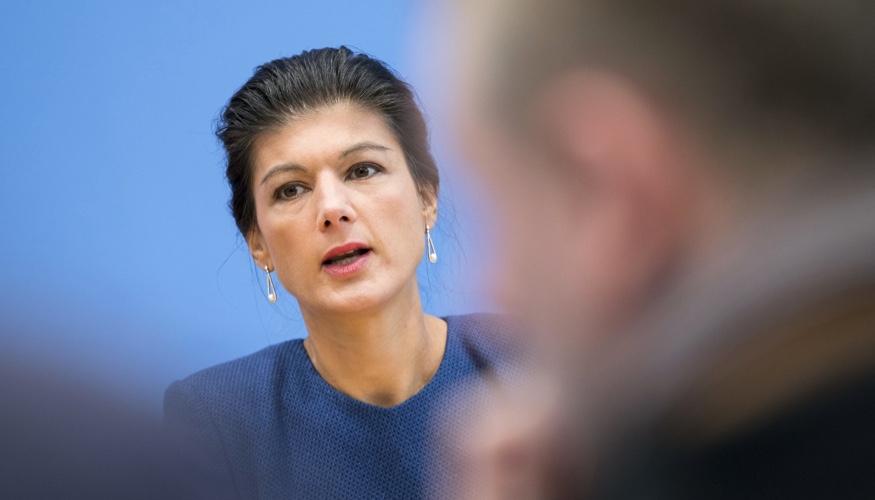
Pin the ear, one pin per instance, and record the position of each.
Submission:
(429, 201)
(258, 248)
(624, 163)
(612, 129)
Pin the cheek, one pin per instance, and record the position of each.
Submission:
(394, 219)
(531, 231)
(288, 234)
(548, 253)
(289, 252)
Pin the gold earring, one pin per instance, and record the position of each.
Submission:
(271, 290)
(432, 254)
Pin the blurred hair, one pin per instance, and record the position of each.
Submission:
(764, 72)
(289, 88)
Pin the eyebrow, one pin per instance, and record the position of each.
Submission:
(283, 168)
(362, 146)
(298, 168)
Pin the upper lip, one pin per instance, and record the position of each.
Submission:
(342, 249)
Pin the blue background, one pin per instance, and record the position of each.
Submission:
(119, 261)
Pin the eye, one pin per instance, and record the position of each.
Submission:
(289, 191)
(363, 171)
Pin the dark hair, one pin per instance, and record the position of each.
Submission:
(757, 70)
(288, 88)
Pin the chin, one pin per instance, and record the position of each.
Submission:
(364, 297)
(358, 303)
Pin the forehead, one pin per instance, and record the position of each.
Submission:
(321, 136)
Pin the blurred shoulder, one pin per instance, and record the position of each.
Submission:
(490, 339)
(483, 326)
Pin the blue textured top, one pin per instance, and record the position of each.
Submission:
(269, 426)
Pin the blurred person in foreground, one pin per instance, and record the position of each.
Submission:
(63, 435)
(687, 194)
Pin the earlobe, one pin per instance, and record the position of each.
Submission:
(430, 216)
(258, 248)
(429, 207)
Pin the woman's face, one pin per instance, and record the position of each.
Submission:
(338, 214)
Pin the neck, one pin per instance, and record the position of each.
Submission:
(382, 356)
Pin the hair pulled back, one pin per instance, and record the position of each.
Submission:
(289, 88)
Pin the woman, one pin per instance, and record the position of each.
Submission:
(335, 190)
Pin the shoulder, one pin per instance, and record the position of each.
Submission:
(491, 340)
(482, 328)
(214, 417)
(239, 380)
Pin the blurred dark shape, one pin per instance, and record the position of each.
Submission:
(64, 437)
(738, 391)
(688, 196)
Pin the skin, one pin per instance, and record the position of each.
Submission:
(616, 196)
(604, 218)
(602, 195)
(334, 176)
(618, 201)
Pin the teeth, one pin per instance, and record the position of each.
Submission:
(343, 259)
(346, 260)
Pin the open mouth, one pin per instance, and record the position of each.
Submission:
(345, 258)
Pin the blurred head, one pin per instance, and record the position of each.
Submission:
(623, 137)
(328, 149)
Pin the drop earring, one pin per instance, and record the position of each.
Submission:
(271, 290)
(432, 254)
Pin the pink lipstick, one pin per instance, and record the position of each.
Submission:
(346, 259)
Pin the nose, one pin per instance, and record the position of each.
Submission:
(334, 207)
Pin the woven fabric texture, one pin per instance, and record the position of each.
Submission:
(269, 426)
